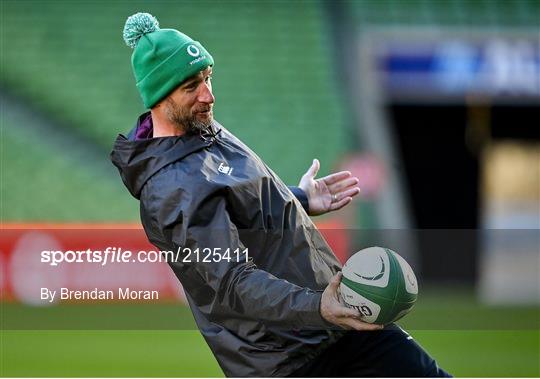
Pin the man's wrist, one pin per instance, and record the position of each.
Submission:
(318, 318)
(302, 197)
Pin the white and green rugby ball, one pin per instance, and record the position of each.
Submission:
(380, 284)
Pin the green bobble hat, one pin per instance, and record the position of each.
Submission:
(162, 58)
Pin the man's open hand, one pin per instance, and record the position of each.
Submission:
(330, 193)
(335, 313)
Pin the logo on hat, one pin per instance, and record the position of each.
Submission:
(193, 50)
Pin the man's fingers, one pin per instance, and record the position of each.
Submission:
(343, 184)
(340, 204)
(314, 169)
(351, 192)
(348, 313)
(359, 325)
(336, 177)
(335, 281)
(333, 311)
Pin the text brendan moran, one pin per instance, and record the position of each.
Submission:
(97, 294)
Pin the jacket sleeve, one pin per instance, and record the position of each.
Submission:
(228, 288)
(301, 196)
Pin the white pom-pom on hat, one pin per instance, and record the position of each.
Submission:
(138, 25)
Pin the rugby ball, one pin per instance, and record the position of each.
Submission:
(380, 284)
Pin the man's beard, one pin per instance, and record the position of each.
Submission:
(185, 121)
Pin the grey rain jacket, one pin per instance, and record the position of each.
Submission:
(259, 314)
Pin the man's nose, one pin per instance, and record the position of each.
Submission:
(205, 94)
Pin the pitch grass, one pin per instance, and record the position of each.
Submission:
(472, 353)
(465, 337)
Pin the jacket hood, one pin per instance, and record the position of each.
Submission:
(138, 160)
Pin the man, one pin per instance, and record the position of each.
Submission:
(260, 280)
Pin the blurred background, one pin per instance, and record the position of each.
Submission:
(434, 105)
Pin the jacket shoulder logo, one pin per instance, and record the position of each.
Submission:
(193, 50)
(224, 169)
(376, 277)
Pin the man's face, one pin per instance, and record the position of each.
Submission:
(189, 107)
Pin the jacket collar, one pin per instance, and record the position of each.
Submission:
(139, 159)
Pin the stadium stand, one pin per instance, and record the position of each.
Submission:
(479, 13)
(273, 77)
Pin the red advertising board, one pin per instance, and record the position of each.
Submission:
(90, 257)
